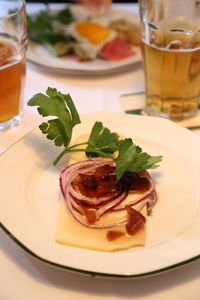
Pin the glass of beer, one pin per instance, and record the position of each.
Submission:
(171, 51)
(13, 45)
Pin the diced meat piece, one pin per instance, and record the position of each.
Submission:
(134, 182)
(116, 49)
(114, 234)
(102, 182)
(105, 173)
(90, 215)
(135, 220)
(105, 188)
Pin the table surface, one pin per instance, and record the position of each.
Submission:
(23, 277)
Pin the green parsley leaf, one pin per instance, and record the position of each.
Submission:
(64, 16)
(41, 29)
(56, 104)
(131, 159)
(102, 142)
(102, 139)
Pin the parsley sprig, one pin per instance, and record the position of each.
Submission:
(41, 30)
(101, 142)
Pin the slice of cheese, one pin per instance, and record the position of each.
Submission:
(70, 232)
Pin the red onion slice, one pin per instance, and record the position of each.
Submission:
(103, 205)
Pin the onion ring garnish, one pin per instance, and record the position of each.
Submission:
(79, 204)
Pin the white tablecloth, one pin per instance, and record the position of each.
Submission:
(22, 277)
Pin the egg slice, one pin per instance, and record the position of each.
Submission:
(91, 36)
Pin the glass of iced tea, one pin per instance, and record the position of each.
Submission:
(171, 51)
(13, 45)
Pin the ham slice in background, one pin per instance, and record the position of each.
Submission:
(116, 49)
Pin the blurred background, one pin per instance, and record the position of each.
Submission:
(64, 1)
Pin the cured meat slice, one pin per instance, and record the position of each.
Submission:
(116, 49)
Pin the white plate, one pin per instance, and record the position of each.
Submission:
(41, 57)
(30, 199)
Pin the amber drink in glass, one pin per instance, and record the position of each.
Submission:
(13, 44)
(171, 51)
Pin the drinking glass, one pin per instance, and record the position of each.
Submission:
(13, 45)
(171, 51)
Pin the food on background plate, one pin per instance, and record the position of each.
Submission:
(107, 191)
(96, 6)
(129, 31)
(91, 37)
(117, 49)
(82, 39)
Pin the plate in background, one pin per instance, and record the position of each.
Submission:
(41, 57)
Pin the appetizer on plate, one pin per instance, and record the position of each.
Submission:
(107, 191)
(82, 39)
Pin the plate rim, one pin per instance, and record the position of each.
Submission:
(95, 273)
(91, 272)
(82, 73)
